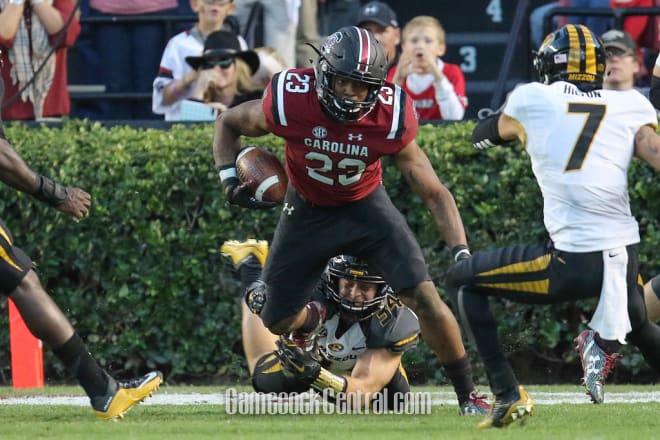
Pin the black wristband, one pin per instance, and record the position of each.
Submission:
(486, 133)
(50, 192)
(459, 250)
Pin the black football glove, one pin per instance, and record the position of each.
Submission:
(297, 363)
(239, 194)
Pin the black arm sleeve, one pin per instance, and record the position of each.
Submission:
(654, 93)
(486, 134)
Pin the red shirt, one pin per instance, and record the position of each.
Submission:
(425, 102)
(635, 24)
(331, 163)
(57, 101)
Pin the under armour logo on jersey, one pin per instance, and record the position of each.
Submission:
(354, 137)
(288, 209)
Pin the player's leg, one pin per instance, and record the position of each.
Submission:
(305, 239)
(257, 339)
(652, 298)
(247, 258)
(109, 398)
(391, 247)
(645, 334)
(473, 305)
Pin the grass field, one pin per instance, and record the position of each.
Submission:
(561, 412)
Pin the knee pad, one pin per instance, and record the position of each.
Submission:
(255, 297)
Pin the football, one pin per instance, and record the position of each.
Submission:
(263, 173)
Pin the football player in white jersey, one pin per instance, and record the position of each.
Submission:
(581, 140)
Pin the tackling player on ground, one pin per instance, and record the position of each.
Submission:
(338, 120)
(363, 334)
(581, 140)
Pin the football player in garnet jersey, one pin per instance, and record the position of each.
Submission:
(363, 335)
(580, 139)
(338, 120)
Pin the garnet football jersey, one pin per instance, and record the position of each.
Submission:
(331, 163)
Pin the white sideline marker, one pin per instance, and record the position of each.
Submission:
(438, 398)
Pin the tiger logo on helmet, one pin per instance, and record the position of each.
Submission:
(573, 54)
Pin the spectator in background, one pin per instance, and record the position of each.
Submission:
(280, 21)
(307, 33)
(598, 24)
(635, 25)
(623, 62)
(224, 77)
(176, 79)
(381, 20)
(436, 88)
(270, 62)
(128, 52)
(34, 36)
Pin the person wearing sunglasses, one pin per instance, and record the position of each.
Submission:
(176, 80)
(224, 77)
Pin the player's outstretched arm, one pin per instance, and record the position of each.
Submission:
(418, 171)
(496, 129)
(15, 173)
(246, 119)
(373, 370)
(647, 146)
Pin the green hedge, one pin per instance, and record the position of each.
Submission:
(142, 279)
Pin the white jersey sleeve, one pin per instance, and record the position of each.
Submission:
(581, 145)
(173, 66)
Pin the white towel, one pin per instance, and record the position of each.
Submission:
(611, 319)
(30, 50)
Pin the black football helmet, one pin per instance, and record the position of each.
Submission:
(573, 54)
(352, 268)
(352, 53)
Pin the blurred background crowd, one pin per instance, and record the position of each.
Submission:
(189, 60)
